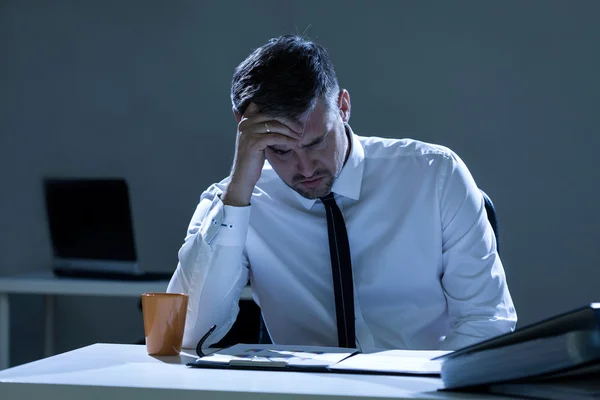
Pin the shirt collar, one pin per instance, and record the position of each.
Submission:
(349, 181)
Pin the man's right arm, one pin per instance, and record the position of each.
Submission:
(212, 268)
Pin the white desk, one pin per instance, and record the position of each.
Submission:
(46, 284)
(112, 371)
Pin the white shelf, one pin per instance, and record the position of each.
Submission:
(44, 282)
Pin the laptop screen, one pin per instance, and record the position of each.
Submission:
(90, 219)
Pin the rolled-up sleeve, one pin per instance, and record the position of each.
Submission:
(474, 281)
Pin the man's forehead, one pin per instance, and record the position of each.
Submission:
(315, 123)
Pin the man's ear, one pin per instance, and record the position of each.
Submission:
(236, 114)
(344, 105)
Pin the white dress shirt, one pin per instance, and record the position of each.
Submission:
(424, 255)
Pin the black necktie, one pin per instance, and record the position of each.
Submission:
(341, 266)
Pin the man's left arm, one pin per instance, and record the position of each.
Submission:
(474, 282)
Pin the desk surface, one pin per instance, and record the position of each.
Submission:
(45, 282)
(126, 371)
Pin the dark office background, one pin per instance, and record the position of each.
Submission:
(139, 89)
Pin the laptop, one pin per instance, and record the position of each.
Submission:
(91, 229)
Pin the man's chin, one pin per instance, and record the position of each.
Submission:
(313, 193)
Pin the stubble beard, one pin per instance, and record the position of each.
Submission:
(321, 191)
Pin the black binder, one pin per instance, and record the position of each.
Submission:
(564, 346)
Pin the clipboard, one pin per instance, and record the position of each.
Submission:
(274, 357)
(319, 359)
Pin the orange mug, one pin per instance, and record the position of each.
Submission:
(164, 321)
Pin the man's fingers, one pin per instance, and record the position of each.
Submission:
(273, 126)
(256, 122)
(293, 124)
(268, 126)
(273, 139)
(253, 113)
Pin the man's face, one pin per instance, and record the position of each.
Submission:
(312, 166)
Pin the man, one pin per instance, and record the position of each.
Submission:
(422, 270)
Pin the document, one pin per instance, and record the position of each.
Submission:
(323, 359)
(275, 356)
(417, 362)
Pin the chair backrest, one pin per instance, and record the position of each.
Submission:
(491, 214)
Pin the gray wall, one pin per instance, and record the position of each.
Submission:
(140, 89)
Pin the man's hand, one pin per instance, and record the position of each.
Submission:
(255, 133)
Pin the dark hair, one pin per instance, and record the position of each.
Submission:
(285, 77)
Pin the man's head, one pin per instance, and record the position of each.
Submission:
(292, 77)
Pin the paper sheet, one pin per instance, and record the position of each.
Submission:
(414, 362)
(277, 356)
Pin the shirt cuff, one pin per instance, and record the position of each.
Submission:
(233, 226)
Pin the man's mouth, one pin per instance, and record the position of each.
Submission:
(313, 182)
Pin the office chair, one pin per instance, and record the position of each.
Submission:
(263, 334)
(491, 214)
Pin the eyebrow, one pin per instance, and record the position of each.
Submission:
(316, 141)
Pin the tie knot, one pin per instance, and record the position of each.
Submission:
(328, 199)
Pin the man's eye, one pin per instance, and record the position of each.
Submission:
(280, 152)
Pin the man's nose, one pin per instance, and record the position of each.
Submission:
(305, 165)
